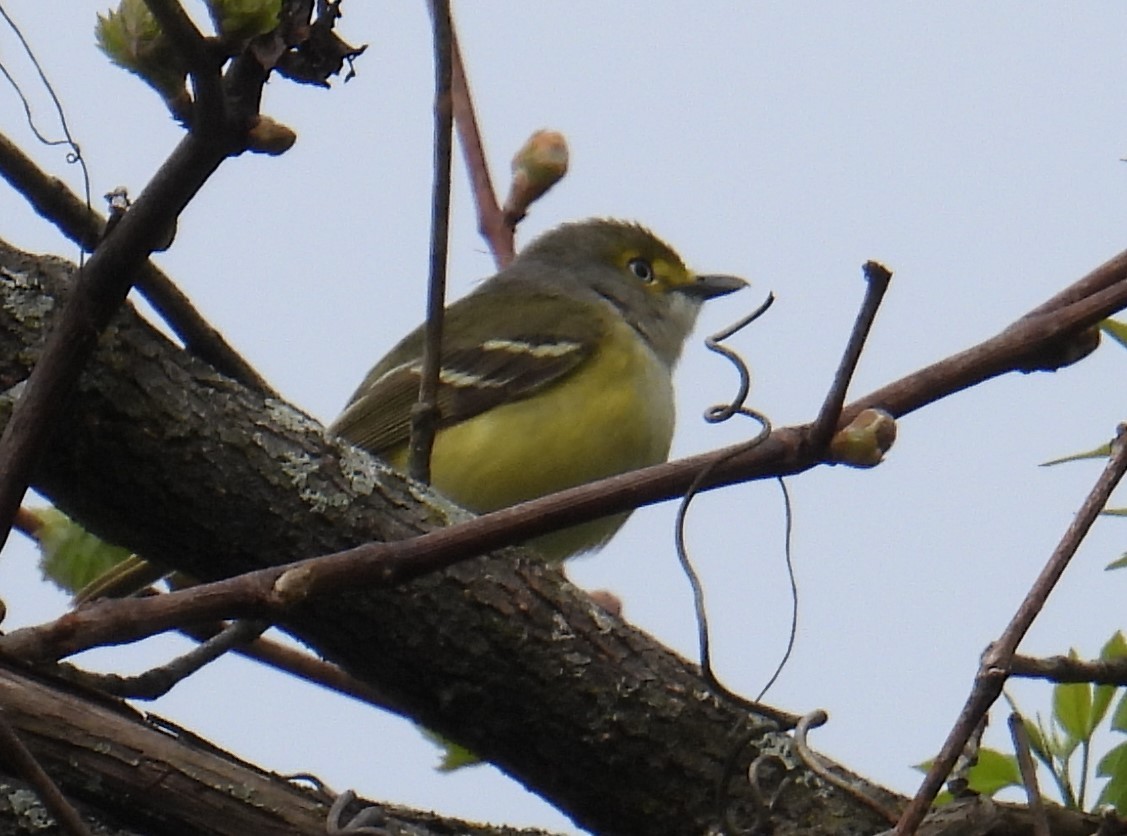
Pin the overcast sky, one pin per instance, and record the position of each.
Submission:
(973, 148)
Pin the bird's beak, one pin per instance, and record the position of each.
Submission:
(709, 287)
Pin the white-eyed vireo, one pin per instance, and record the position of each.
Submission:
(556, 371)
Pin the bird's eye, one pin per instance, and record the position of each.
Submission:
(641, 269)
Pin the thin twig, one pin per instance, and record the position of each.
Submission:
(1028, 769)
(877, 278)
(1025, 345)
(715, 415)
(424, 414)
(311, 669)
(1106, 275)
(490, 219)
(158, 681)
(996, 662)
(1067, 669)
(813, 762)
(201, 61)
(18, 755)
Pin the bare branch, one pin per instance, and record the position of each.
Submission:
(424, 415)
(1067, 669)
(1028, 768)
(995, 666)
(158, 681)
(877, 278)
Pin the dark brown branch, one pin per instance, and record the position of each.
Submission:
(134, 771)
(1103, 277)
(1029, 344)
(877, 278)
(99, 290)
(201, 61)
(51, 198)
(1067, 669)
(996, 662)
(424, 415)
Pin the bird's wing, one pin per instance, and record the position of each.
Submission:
(553, 337)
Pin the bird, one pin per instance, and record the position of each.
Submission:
(554, 372)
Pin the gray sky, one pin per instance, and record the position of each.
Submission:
(973, 148)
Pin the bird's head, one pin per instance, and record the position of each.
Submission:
(632, 269)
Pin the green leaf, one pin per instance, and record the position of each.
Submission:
(70, 556)
(1117, 564)
(1101, 452)
(1113, 766)
(993, 772)
(244, 19)
(131, 37)
(1114, 648)
(1119, 716)
(454, 755)
(944, 797)
(1072, 710)
(1060, 745)
(1037, 741)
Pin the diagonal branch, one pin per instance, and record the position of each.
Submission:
(51, 198)
(99, 291)
(386, 565)
(995, 666)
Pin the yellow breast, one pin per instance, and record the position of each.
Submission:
(612, 414)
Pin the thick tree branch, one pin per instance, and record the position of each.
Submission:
(135, 773)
